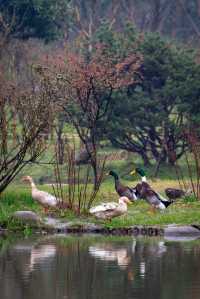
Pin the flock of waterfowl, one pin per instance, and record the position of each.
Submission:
(110, 210)
(130, 194)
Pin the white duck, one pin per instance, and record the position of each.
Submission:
(44, 198)
(110, 210)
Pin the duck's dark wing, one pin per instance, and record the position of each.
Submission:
(153, 199)
(132, 193)
(125, 191)
(136, 193)
(151, 196)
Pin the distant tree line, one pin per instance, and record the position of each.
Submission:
(146, 116)
(52, 19)
(179, 19)
(108, 72)
(25, 19)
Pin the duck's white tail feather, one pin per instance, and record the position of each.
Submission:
(161, 206)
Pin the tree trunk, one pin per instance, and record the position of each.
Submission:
(145, 158)
(61, 149)
(94, 165)
(156, 16)
(198, 7)
(95, 176)
(60, 142)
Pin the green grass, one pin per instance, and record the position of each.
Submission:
(182, 212)
(18, 196)
(178, 213)
(13, 199)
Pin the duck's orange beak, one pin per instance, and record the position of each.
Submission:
(128, 201)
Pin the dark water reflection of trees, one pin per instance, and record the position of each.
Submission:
(99, 267)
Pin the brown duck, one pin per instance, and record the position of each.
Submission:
(173, 193)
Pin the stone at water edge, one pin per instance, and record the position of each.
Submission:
(27, 217)
(57, 224)
(183, 230)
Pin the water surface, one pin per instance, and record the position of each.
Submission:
(97, 267)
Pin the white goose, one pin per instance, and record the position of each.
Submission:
(44, 198)
(110, 210)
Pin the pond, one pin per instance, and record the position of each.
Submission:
(99, 267)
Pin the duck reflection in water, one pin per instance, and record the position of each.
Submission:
(107, 253)
(37, 253)
(111, 253)
(127, 258)
(41, 253)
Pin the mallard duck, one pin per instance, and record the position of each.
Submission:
(110, 210)
(121, 189)
(46, 199)
(142, 174)
(173, 193)
(146, 192)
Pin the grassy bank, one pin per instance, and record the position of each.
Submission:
(184, 211)
(18, 196)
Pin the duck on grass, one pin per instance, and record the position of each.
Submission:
(139, 194)
(109, 210)
(45, 199)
